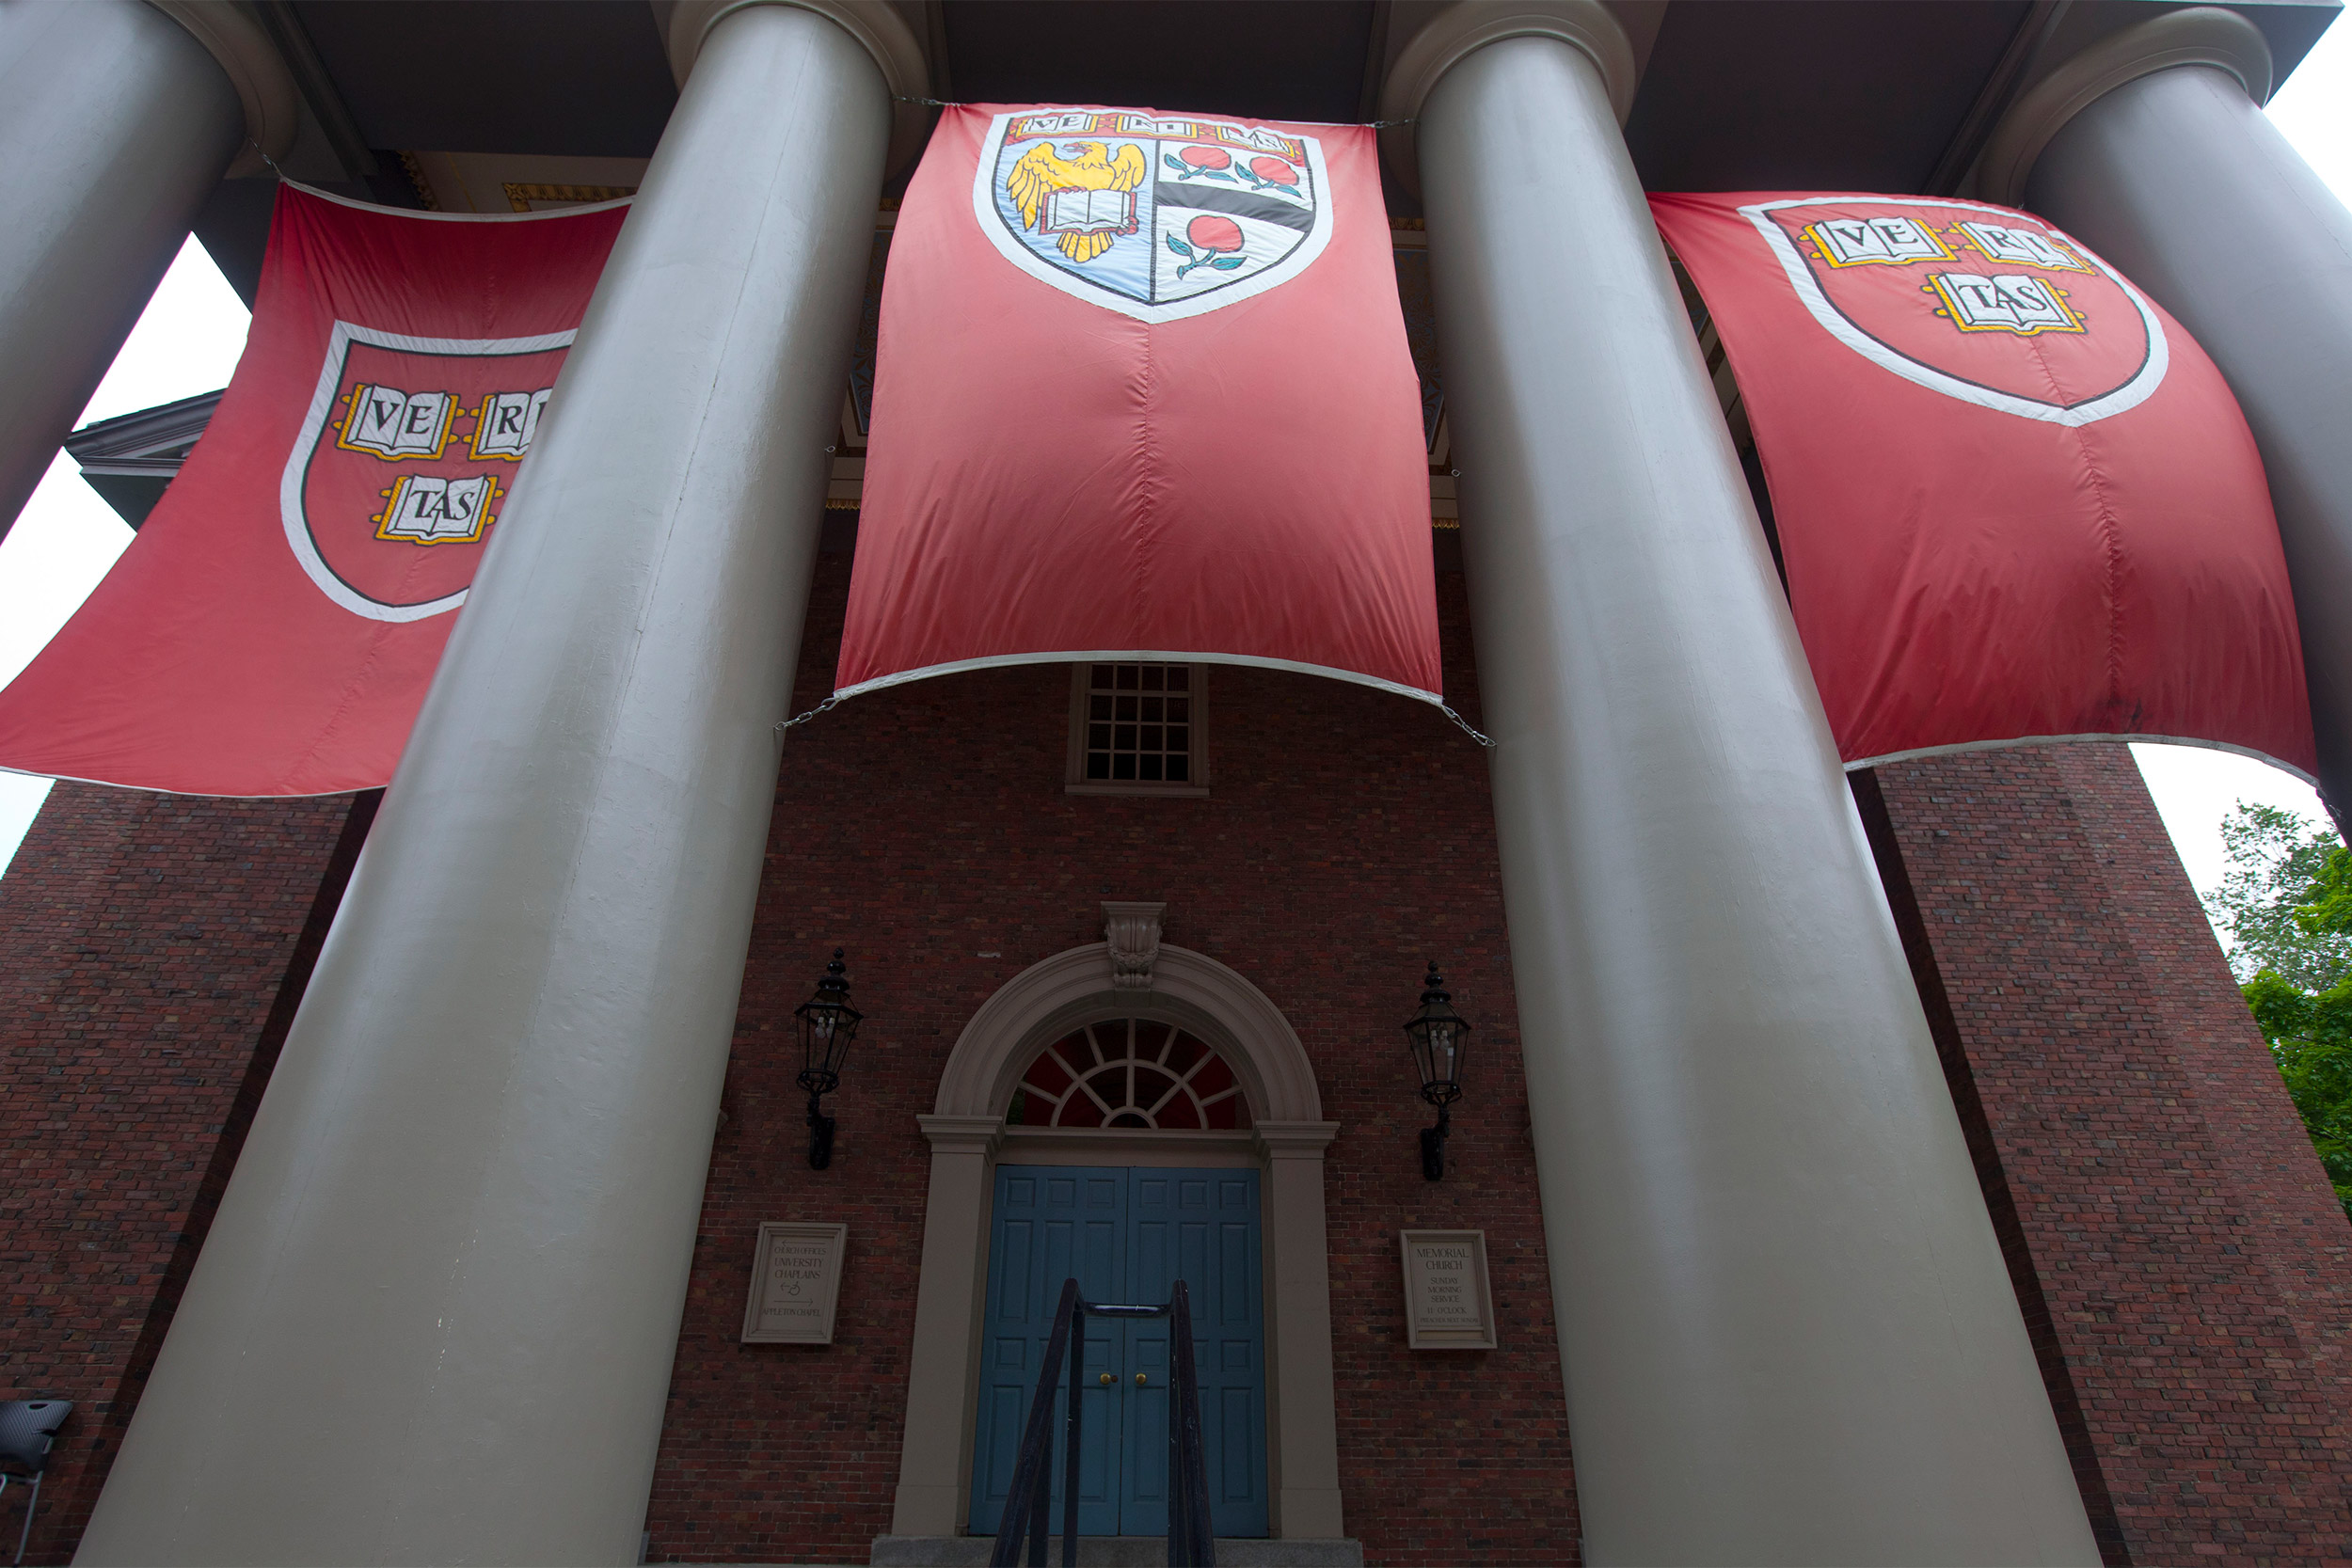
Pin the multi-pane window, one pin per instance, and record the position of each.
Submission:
(1138, 726)
(1129, 1072)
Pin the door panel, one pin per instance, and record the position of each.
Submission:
(1050, 1222)
(1130, 1234)
(1200, 1227)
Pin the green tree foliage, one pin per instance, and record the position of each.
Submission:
(2277, 860)
(2287, 906)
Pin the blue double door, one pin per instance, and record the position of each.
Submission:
(1127, 1234)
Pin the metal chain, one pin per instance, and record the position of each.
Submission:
(1466, 727)
(828, 704)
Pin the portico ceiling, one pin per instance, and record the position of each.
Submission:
(1736, 94)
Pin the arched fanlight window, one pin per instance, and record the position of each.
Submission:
(1129, 1072)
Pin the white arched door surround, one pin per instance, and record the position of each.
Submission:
(968, 1138)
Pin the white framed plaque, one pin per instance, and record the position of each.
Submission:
(1448, 1303)
(796, 1278)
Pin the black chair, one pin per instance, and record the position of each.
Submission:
(27, 1426)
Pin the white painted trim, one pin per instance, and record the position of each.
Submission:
(968, 1138)
(2138, 389)
(415, 214)
(1188, 989)
(1008, 244)
(1916, 753)
(1133, 656)
(290, 507)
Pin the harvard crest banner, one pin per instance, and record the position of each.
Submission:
(2014, 500)
(1143, 391)
(274, 627)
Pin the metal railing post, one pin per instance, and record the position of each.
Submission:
(1026, 1503)
(1191, 1542)
(1191, 1531)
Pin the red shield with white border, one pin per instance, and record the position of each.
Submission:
(1983, 304)
(404, 462)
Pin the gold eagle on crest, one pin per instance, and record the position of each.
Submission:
(1041, 170)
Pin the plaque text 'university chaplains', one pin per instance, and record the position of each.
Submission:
(795, 1279)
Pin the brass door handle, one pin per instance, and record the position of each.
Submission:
(1139, 1380)
(1107, 1378)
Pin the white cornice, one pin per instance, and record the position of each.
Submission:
(2199, 35)
(964, 1134)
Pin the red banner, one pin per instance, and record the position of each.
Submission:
(274, 627)
(2015, 501)
(1143, 392)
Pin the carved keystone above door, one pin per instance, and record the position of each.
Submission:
(1133, 931)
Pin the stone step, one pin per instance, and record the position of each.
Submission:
(1116, 1551)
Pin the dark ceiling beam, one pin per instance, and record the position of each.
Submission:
(317, 87)
(2000, 90)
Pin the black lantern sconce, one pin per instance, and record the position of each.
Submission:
(828, 1024)
(1439, 1038)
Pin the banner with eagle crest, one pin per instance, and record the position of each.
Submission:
(273, 626)
(2014, 501)
(1143, 392)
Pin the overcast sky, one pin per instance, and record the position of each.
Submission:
(189, 338)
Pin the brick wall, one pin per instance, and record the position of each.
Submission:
(151, 950)
(1348, 838)
(2180, 1257)
(2180, 1254)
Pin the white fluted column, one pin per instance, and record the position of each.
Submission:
(2150, 148)
(1787, 1332)
(435, 1315)
(118, 122)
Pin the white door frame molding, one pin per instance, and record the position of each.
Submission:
(968, 1138)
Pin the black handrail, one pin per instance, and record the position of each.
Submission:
(1191, 1535)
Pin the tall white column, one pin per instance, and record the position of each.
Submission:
(434, 1319)
(1787, 1332)
(2173, 173)
(117, 124)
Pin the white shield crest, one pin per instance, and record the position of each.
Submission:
(1154, 217)
(404, 458)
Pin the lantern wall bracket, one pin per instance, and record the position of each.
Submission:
(1433, 1144)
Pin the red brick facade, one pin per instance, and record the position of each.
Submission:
(1348, 837)
(153, 948)
(2181, 1257)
